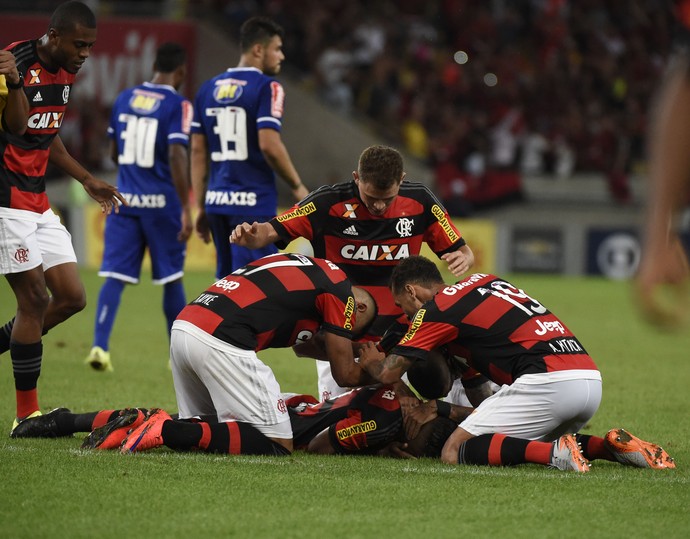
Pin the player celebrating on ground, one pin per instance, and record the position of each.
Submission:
(367, 226)
(35, 249)
(550, 385)
(237, 148)
(149, 134)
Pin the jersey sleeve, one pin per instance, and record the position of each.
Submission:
(180, 123)
(426, 332)
(337, 306)
(271, 105)
(441, 234)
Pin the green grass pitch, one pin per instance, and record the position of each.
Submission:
(52, 489)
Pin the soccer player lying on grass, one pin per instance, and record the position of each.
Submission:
(368, 420)
(550, 385)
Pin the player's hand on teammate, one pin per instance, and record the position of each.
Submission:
(416, 416)
(460, 261)
(662, 285)
(8, 67)
(203, 231)
(105, 194)
(370, 355)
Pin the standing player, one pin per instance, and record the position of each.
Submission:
(367, 226)
(237, 148)
(149, 134)
(35, 248)
(550, 385)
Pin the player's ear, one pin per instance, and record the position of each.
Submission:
(355, 175)
(403, 176)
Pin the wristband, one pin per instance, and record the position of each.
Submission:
(17, 85)
(442, 409)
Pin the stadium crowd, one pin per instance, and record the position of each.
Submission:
(530, 86)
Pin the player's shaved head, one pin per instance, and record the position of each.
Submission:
(366, 310)
(70, 14)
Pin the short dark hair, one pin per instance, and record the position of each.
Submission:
(381, 166)
(70, 14)
(169, 57)
(415, 270)
(258, 30)
(432, 377)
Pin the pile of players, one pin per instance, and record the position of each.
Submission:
(372, 311)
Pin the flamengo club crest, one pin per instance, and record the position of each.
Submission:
(404, 227)
(21, 255)
(65, 95)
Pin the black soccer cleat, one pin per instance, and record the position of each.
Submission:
(40, 426)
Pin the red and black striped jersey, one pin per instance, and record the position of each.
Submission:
(25, 158)
(367, 247)
(275, 302)
(363, 420)
(501, 331)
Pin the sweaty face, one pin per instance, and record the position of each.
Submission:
(72, 48)
(376, 200)
(273, 56)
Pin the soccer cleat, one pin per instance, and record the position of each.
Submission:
(111, 435)
(630, 450)
(99, 359)
(38, 425)
(567, 455)
(148, 435)
(17, 421)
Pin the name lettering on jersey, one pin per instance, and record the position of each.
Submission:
(445, 224)
(304, 336)
(35, 76)
(297, 212)
(232, 198)
(349, 312)
(65, 95)
(226, 286)
(472, 279)
(545, 327)
(350, 209)
(277, 99)
(145, 201)
(227, 91)
(404, 227)
(375, 252)
(352, 430)
(389, 395)
(414, 326)
(205, 299)
(45, 120)
(561, 346)
(145, 102)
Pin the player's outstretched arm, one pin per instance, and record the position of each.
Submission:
(102, 192)
(460, 261)
(254, 236)
(345, 371)
(178, 157)
(199, 176)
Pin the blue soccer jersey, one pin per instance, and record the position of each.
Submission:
(145, 121)
(229, 111)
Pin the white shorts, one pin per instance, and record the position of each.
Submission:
(537, 410)
(328, 387)
(24, 244)
(212, 377)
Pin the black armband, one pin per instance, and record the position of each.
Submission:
(443, 408)
(17, 85)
